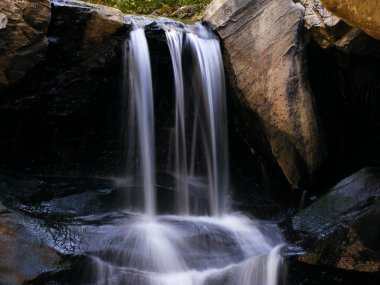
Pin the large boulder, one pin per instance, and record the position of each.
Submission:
(23, 40)
(362, 14)
(265, 49)
(344, 224)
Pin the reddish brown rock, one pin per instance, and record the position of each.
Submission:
(264, 45)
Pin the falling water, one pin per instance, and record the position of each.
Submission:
(211, 100)
(141, 154)
(175, 43)
(187, 248)
(206, 105)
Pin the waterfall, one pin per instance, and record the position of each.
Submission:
(175, 43)
(141, 154)
(206, 104)
(186, 247)
(209, 83)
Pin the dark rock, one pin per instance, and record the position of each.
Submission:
(265, 51)
(347, 91)
(23, 40)
(344, 224)
(301, 273)
(65, 117)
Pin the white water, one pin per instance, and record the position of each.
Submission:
(187, 248)
(141, 154)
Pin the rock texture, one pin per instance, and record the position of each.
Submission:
(65, 116)
(264, 46)
(329, 31)
(23, 41)
(363, 14)
(344, 224)
(23, 257)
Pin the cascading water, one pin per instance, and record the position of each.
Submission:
(141, 117)
(188, 248)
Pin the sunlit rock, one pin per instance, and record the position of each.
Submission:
(361, 14)
(265, 49)
(330, 31)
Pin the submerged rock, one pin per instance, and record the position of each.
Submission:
(23, 40)
(265, 53)
(344, 224)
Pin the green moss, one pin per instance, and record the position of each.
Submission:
(147, 6)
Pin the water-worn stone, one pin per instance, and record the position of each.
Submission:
(344, 224)
(23, 41)
(264, 47)
(363, 14)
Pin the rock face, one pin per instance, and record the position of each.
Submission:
(344, 224)
(23, 41)
(264, 47)
(64, 116)
(361, 14)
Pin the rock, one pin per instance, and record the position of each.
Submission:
(326, 29)
(66, 111)
(187, 12)
(23, 256)
(3, 20)
(265, 50)
(23, 41)
(329, 31)
(103, 21)
(344, 224)
(361, 14)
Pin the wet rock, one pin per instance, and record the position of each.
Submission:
(23, 255)
(265, 54)
(344, 224)
(362, 14)
(23, 40)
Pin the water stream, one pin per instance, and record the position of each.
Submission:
(198, 243)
